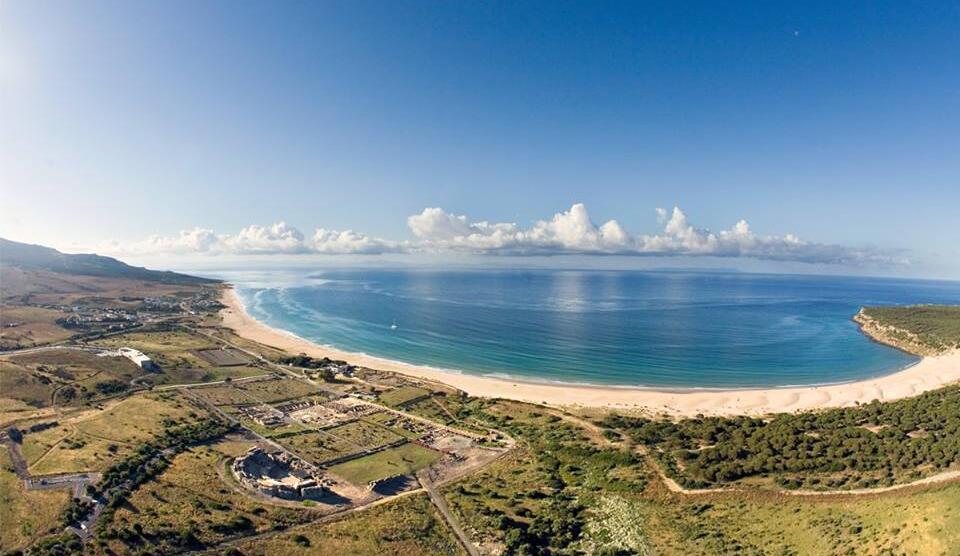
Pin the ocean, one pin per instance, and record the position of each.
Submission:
(669, 329)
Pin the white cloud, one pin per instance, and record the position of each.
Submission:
(340, 243)
(573, 232)
(278, 238)
(187, 241)
(568, 232)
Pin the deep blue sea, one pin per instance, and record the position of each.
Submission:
(661, 329)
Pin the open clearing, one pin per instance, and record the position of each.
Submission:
(402, 395)
(22, 326)
(92, 440)
(208, 374)
(169, 349)
(401, 460)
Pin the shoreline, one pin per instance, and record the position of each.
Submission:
(929, 373)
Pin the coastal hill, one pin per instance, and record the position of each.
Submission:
(37, 257)
(48, 296)
(917, 329)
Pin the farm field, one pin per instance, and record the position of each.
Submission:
(401, 460)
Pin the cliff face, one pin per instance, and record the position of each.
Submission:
(890, 335)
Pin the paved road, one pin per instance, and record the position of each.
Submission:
(73, 480)
(50, 347)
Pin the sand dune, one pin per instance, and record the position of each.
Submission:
(928, 374)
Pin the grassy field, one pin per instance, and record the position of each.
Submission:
(390, 420)
(190, 500)
(81, 376)
(409, 526)
(265, 391)
(92, 440)
(364, 435)
(401, 460)
(25, 515)
(76, 454)
(280, 431)
(271, 391)
(224, 394)
(142, 417)
(169, 349)
(936, 326)
(317, 447)
(402, 395)
(33, 377)
(208, 374)
(22, 384)
(430, 409)
(13, 410)
(923, 522)
(22, 326)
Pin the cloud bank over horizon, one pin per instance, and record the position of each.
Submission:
(571, 232)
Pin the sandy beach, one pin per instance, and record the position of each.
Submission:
(928, 374)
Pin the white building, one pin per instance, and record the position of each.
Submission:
(138, 358)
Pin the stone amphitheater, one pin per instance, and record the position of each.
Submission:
(280, 474)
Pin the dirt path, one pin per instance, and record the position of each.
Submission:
(441, 504)
(593, 431)
(673, 486)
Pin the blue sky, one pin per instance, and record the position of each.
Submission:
(836, 124)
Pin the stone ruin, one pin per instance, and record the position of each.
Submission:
(280, 474)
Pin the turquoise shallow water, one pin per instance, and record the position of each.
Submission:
(661, 329)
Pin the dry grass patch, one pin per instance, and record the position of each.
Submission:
(92, 440)
(190, 496)
(22, 326)
(170, 349)
(25, 515)
(408, 526)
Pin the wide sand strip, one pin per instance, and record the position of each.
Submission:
(928, 374)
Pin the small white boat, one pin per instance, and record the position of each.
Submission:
(394, 325)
